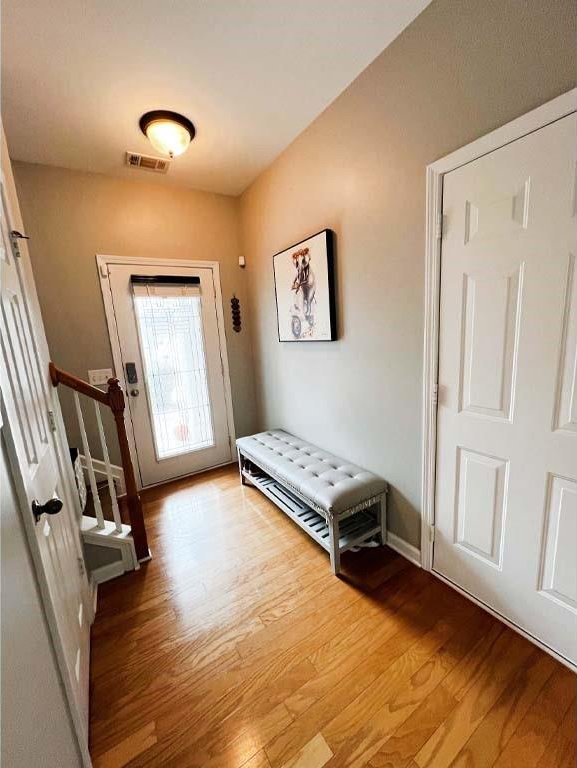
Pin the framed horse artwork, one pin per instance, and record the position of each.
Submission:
(305, 291)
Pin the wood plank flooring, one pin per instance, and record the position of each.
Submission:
(235, 647)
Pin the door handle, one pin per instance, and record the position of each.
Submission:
(134, 392)
(51, 507)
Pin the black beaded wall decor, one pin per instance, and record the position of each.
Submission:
(235, 311)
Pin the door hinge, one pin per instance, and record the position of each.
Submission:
(431, 533)
(104, 271)
(51, 421)
(435, 395)
(81, 566)
(15, 236)
(441, 226)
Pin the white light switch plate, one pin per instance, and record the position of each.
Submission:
(99, 377)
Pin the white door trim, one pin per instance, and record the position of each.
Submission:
(102, 263)
(532, 121)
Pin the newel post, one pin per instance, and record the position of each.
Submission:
(117, 405)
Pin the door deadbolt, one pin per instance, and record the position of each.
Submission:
(131, 375)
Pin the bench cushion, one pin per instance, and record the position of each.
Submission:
(329, 483)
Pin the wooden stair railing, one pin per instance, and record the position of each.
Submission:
(113, 398)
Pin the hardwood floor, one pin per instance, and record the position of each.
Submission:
(235, 647)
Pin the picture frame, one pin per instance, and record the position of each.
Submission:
(304, 281)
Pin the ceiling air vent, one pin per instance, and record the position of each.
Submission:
(156, 164)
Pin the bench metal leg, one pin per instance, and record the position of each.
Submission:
(242, 480)
(334, 550)
(382, 513)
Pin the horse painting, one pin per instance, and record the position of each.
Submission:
(304, 290)
(303, 283)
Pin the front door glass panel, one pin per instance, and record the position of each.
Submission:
(169, 320)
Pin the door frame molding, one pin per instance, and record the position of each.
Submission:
(532, 121)
(102, 263)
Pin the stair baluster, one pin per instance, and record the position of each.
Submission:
(109, 477)
(113, 398)
(89, 468)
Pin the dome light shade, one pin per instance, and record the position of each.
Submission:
(168, 132)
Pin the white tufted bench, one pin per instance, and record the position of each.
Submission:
(338, 503)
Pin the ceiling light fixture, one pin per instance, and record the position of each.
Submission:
(168, 132)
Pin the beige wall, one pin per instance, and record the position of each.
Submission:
(71, 216)
(461, 69)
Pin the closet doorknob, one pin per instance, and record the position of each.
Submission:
(51, 507)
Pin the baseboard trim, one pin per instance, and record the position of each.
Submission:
(108, 572)
(408, 551)
(146, 558)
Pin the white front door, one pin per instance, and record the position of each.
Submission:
(40, 458)
(506, 507)
(171, 349)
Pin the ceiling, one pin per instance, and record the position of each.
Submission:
(251, 75)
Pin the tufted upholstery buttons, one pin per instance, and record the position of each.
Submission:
(330, 482)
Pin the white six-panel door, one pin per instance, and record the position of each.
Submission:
(505, 512)
(40, 460)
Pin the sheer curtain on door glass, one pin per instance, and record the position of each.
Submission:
(169, 320)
